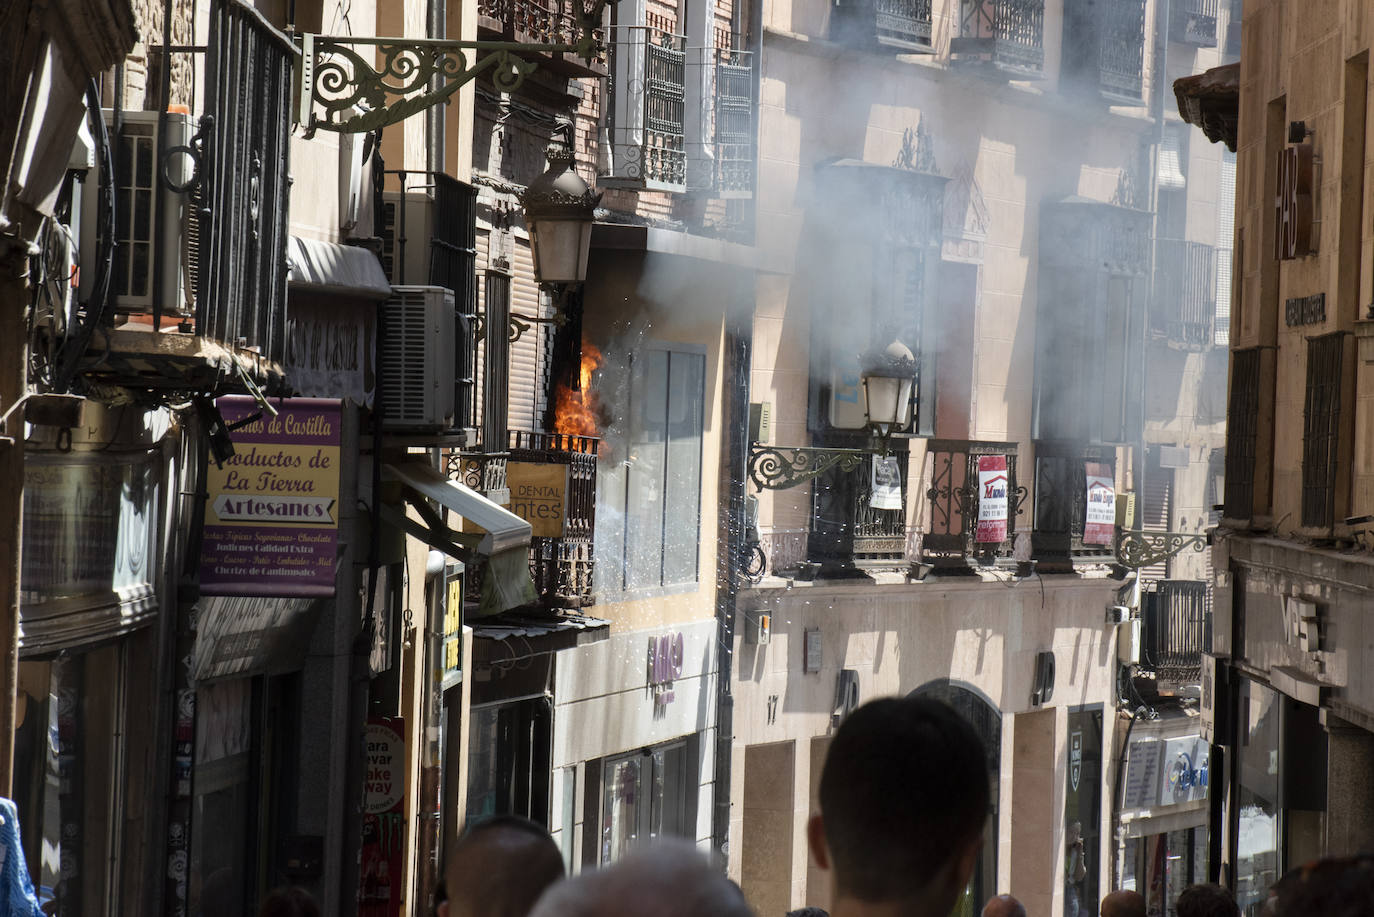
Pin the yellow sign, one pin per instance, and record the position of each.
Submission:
(453, 630)
(539, 495)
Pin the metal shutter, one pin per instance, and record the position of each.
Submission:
(529, 356)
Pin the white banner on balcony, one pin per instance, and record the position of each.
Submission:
(1100, 523)
(886, 492)
(993, 485)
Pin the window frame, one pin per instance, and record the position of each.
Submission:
(622, 589)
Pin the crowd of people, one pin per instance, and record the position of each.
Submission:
(890, 854)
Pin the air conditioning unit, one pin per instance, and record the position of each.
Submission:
(140, 278)
(417, 359)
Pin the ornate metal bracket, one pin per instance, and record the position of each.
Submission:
(358, 84)
(1136, 549)
(781, 467)
(519, 323)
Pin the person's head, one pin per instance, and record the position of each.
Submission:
(1206, 901)
(1004, 906)
(289, 902)
(1123, 903)
(808, 912)
(904, 796)
(667, 878)
(1329, 887)
(499, 868)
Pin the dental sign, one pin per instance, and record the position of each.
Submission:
(272, 514)
(1293, 203)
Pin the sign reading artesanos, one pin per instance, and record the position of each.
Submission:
(272, 518)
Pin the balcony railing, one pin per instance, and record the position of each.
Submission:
(952, 540)
(847, 532)
(1174, 630)
(561, 565)
(540, 22)
(1185, 293)
(1061, 537)
(648, 94)
(1008, 34)
(245, 184)
(734, 123)
(901, 24)
(1194, 22)
(1121, 49)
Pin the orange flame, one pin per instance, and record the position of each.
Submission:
(576, 413)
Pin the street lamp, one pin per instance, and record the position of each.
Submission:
(888, 377)
(559, 211)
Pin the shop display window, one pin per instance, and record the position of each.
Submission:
(647, 794)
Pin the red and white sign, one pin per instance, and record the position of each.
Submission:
(1100, 524)
(993, 485)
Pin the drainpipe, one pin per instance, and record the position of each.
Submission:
(733, 464)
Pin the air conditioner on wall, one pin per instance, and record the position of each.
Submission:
(140, 278)
(417, 358)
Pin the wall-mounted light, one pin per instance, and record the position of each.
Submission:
(1298, 131)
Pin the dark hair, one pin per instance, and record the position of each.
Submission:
(808, 912)
(1329, 887)
(903, 791)
(289, 902)
(502, 877)
(1206, 901)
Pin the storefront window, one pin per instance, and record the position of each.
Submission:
(66, 775)
(1082, 813)
(627, 817)
(508, 760)
(1257, 830)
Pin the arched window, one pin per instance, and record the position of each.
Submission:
(986, 720)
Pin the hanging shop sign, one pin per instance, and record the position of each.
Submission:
(239, 635)
(1184, 773)
(1141, 786)
(329, 350)
(665, 666)
(1100, 521)
(539, 495)
(886, 483)
(453, 627)
(272, 516)
(381, 861)
(1293, 203)
(993, 485)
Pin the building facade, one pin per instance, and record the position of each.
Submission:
(1285, 701)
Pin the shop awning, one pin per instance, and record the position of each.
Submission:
(1211, 100)
(238, 636)
(332, 269)
(504, 543)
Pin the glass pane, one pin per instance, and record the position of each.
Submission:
(644, 491)
(483, 781)
(669, 814)
(620, 794)
(1081, 813)
(1257, 834)
(612, 481)
(682, 512)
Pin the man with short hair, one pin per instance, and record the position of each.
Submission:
(666, 878)
(904, 797)
(1123, 903)
(1004, 906)
(1206, 901)
(499, 868)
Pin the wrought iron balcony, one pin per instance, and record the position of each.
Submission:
(210, 276)
(847, 532)
(540, 22)
(1108, 42)
(1005, 34)
(900, 24)
(1185, 293)
(648, 105)
(1193, 22)
(1062, 537)
(952, 540)
(561, 565)
(734, 123)
(1174, 624)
